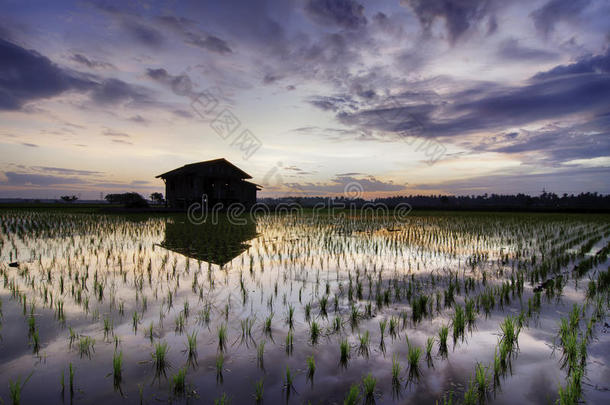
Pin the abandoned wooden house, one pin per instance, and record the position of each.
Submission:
(217, 181)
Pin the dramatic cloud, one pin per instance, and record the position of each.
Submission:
(144, 34)
(65, 171)
(554, 11)
(91, 63)
(459, 15)
(25, 75)
(590, 64)
(344, 13)
(511, 49)
(209, 42)
(510, 183)
(322, 83)
(25, 179)
(346, 184)
(487, 106)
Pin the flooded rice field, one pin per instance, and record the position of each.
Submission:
(439, 308)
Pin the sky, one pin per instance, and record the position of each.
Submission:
(310, 97)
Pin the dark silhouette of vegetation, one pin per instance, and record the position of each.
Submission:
(157, 198)
(69, 198)
(129, 200)
(546, 202)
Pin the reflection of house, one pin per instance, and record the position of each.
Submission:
(219, 180)
(213, 243)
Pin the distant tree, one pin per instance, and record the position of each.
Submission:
(156, 198)
(129, 200)
(69, 198)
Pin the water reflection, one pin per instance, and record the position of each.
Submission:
(217, 243)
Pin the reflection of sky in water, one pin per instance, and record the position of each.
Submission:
(301, 259)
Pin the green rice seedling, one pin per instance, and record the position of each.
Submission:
(73, 336)
(71, 379)
(510, 332)
(86, 345)
(482, 381)
(354, 316)
(470, 313)
(289, 342)
(178, 382)
(180, 323)
(288, 380)
(393, 327)
(108, 327)
(35, 342)
(307, 312)
(259, 390)
(290, 317)
(574, 317)
(396, 368)
(191, 347)
(504, 352)
(31, 324)
(368, 387)
(368, 310)
(337, 323)
(344, 350)
(570, 395)
(267, 324)
(364, 340)
(353, 395)
(117, 368)
(443, 333)
(583, 352)
(203, 315)
(447, 400)
(382, 326)
(220, 359)
(15, 389)
(471, 395)
(311, 367)
(222, 337)
(149, 332)
(223, 400)
(323, 304)
(135, 321)
(459, 321)
(160, 357)
(429, 346)
(260, 353)
(314, 332)
(570, 354)
(413, 357)
(185, 309)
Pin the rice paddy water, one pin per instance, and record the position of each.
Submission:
(504, 308)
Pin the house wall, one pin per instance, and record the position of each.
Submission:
(183, 190)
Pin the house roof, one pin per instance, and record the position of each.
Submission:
(193, 168)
